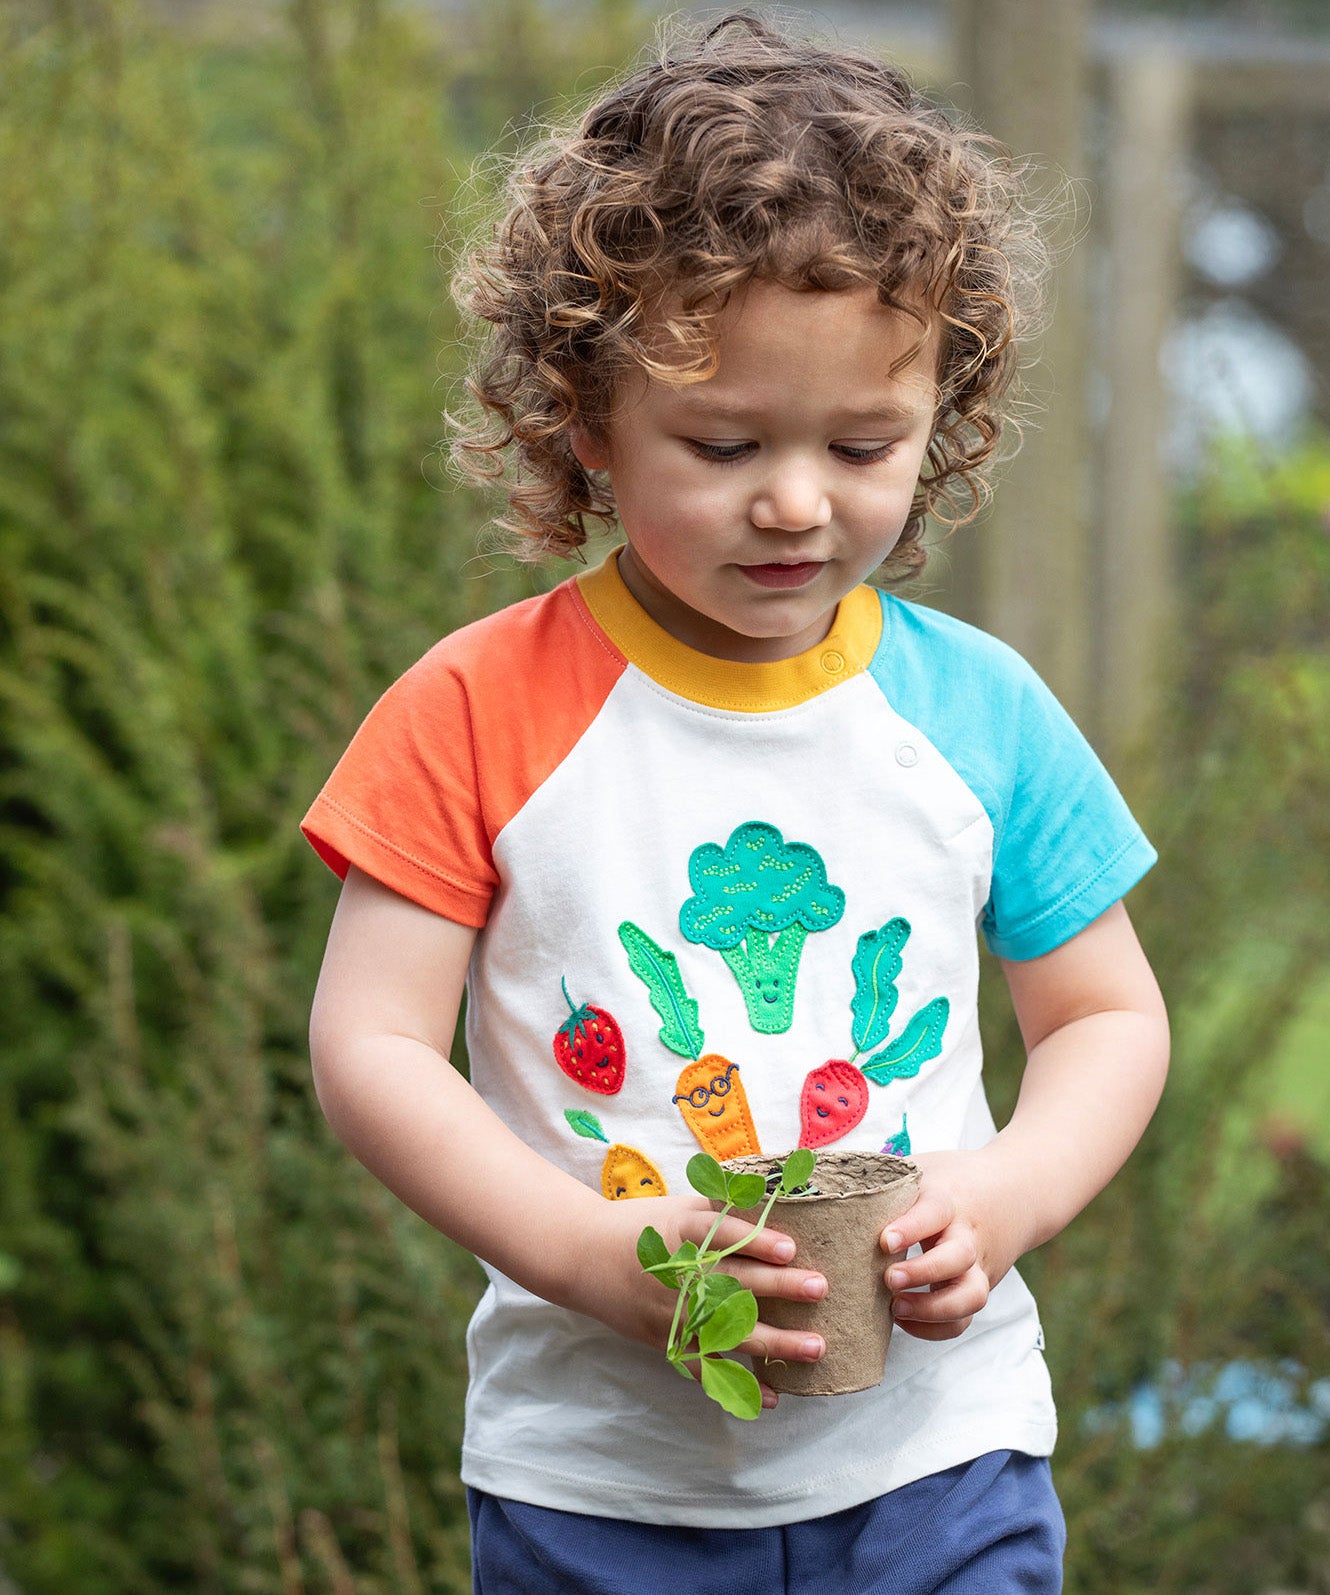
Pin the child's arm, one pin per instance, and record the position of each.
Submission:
(1096, 1034)
(380, 1036)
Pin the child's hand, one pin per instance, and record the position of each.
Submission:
(613, 1288)
(969, 1230)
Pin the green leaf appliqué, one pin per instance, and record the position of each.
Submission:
(658, 971)
(920, 1041)
(877, 963)
(586, 1124)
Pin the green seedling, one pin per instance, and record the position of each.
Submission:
(714, 1313)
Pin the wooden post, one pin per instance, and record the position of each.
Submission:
(1135, 578)
(1023, 70)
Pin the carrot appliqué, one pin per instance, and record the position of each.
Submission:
(709, 1093)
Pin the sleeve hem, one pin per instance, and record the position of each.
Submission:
(1074, 911)
(341, 839)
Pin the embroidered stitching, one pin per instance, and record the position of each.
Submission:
(588, 1047)
(728, 1130)
(876, 964)
(658, 971)
(833, 1102)
(899, 1144)
(758, 887)
(583, 1123)
(583, 611)
(627, 1173)
(1065, 901)
(481, 896)
(920, 1041)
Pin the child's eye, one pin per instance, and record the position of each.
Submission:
(878, 452)
(718, 453)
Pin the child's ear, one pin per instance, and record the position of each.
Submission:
(588, 447)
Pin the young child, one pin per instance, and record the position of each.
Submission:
(760, 309)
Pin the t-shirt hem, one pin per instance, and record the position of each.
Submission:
(520, 1479)
(341, 839)
(1072, 913)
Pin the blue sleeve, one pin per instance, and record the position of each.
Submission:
(1065, 844)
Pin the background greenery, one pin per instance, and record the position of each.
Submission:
(229, 1362)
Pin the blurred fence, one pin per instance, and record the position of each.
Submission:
(1077, 562)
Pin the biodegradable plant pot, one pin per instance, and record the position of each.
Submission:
(835, 1229)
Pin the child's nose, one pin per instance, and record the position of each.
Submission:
(791, 499)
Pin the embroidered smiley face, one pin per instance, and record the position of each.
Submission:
(626, 1173)
(711, 1097)
(834, 1100)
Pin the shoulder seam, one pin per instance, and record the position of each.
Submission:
(588, 620)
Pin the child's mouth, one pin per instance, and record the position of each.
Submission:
(778, 575)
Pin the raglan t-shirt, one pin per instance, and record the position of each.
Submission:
(682, 869)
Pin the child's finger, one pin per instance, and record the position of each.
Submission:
(950, 1330)
(790, 1284)
(770, 1246)
(929, 1216)
(769, 1344)
(953, 1256)
(958, 1299)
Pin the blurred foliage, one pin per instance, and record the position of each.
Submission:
(229, 1361)
(1209, 1248)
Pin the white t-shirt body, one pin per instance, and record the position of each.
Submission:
(908, 778)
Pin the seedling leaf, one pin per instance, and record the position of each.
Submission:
(708, 1292)
(672, 1270)
(730, 1324)
(651, 1248)
(796, 1171)
(746, 1190)
(707, 1176)
(732, 1386)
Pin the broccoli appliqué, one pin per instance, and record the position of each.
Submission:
(756, 901)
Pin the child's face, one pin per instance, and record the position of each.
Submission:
(754, 501)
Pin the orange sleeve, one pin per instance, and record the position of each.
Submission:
(457, 745)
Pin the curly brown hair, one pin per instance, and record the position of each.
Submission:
(739, 154)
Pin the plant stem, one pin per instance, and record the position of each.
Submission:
(753, 1233)
(672, 1349)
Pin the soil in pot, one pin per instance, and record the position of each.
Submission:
(835, 1228)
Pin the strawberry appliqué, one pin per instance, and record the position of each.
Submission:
(589, 1048)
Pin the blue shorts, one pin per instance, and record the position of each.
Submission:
(988, 1527)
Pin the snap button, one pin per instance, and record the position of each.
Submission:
(832, 662)
(907, 754)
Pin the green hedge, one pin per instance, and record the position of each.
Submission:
(229, 1362)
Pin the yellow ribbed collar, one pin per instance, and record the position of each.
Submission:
(726, 683)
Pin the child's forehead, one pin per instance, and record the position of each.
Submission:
(880, 360)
